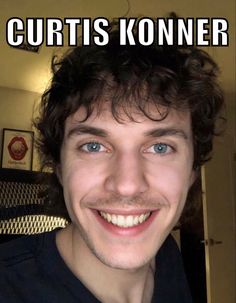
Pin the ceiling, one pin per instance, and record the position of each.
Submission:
(31, 71)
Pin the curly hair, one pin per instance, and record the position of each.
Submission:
(183, 78)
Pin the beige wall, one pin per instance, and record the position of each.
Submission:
(17, 107)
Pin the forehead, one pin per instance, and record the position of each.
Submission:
(103, 117)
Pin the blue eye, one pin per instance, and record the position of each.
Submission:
(160, 148)
(92, 147)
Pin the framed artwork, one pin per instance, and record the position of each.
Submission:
(17, 149)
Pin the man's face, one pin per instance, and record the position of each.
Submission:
(125, 184)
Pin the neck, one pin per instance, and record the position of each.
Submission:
(109, 285)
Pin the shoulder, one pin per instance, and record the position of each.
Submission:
(171, 282)
(20, 266)
(32, 270)
(169, 249)
(20, 249)
(169, 259)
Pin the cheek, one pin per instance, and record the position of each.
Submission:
(172, 182)
(78, 182)
(79, 179)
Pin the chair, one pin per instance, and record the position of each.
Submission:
(22, 205)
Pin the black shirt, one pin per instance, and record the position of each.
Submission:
(32, 271)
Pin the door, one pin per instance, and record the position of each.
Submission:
(218, 183)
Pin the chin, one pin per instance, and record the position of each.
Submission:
(124, 261)
(125, 258)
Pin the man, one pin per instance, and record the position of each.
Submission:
(125, 130)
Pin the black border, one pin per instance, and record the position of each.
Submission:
(146, 30)
(52, 19)
(220, 44)
(103, 29)
(126, 27)
(15, 44)
(34, 21)
(77, 21)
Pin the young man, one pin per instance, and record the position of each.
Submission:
(125, 130)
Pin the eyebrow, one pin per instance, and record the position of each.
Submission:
(161, 132)
(85, 129)
(96, 131)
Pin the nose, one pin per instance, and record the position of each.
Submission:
(127, 176)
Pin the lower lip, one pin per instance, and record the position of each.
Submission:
(128, 231)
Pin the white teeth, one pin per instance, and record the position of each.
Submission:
(114, 219)
(108, 217)
(141, 218)
(125, 221)
(120, 220)
(136, 220)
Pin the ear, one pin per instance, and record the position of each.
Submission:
(58, 173)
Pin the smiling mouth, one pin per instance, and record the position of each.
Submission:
(125, 221)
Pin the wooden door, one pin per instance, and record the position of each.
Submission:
(218, 181)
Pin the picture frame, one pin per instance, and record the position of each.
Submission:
(17, 149)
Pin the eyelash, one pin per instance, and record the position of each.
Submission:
(167, 148)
